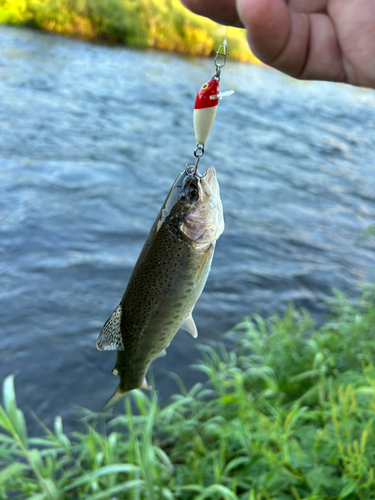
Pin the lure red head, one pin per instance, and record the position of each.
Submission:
(203, 97)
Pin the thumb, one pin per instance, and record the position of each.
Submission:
(268, 26)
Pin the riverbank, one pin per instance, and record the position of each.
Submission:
(286, 413)
(160, 24)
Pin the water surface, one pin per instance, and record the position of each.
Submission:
(91, 139)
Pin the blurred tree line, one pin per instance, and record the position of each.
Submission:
(161, 24)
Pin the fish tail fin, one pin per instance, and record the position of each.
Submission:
(113, 399)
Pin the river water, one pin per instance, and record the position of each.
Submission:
(91, 139)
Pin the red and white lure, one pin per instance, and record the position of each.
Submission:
(205, 108)
(206, 102)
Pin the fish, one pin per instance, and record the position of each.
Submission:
(167, 280)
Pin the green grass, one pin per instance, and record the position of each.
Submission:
(161, 24)
(287, 413)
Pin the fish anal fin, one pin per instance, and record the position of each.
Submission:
(189, 326)
(113, 399)
(110, 337)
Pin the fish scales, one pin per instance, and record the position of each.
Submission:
(167, 280)
(157, 299)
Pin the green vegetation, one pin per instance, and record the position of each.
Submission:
(287, 413)
(162, 24)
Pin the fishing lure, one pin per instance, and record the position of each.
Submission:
(206, 102)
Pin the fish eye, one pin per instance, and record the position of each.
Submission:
(205, 86)
(192, 192)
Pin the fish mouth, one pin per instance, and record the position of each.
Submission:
(208, 182)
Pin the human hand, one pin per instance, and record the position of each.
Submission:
(307, 39)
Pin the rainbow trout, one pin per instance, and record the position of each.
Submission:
(167, 280)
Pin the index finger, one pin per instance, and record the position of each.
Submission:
(302, 45)
(221, 11)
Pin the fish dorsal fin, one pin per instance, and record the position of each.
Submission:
(113, 400)
(189, 326)
(110, 337)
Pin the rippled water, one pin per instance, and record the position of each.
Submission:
(91, 139)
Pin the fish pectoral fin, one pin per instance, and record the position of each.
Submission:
(145, 385)
(189, 326)
(110, 337)
(113, 400)
(205, 265)
(161, 354)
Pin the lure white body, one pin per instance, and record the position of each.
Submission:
(203, 121)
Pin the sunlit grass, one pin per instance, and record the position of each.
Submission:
(161, 24)
(287, 413)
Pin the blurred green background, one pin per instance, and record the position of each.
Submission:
(160, 24)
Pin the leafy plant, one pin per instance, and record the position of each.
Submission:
(287, 413)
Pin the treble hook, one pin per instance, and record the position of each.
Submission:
(193, 169)
(224, 56)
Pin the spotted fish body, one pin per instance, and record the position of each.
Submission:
(167, 280)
